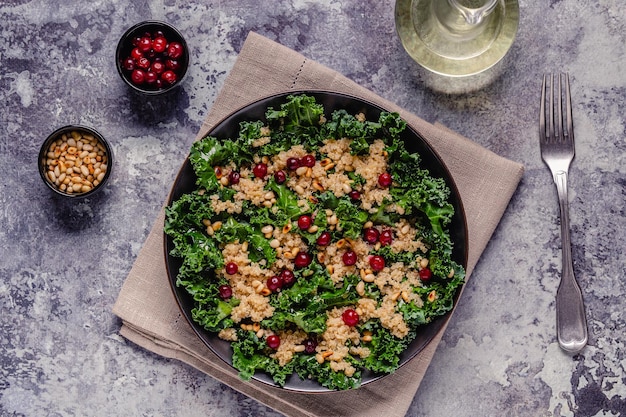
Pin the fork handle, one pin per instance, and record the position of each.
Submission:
(570, 310)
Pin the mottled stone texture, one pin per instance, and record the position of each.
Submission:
(63, 263)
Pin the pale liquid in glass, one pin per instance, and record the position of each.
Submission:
(446, 31)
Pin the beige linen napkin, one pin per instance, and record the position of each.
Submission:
(146, 305)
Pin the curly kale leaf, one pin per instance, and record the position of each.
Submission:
(250, 354)
(214, 314)
(385, 350)
(183, 223)
(297, 119)
(351, 218)
(417, 191)
(307, 367)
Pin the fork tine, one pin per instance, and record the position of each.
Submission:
(568, 104)
(551, 110)
(560, 129)
(542, 111)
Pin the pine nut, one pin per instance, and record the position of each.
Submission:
(267, 229)
(301, 171)
(298, 348)
(346, 188)
(369, 278)
(318, 186)
(274, 243)
(360, 288)
(424, 262)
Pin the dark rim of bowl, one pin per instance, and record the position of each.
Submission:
(54, 136)
(124, 47)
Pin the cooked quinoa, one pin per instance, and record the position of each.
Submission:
(309, 262)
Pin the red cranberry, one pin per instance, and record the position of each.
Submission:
(309, 346)
(304, 222)
(274, 283)
(150, 77)
(324, 239)
(350, 317)
(157, 67)
(293, 163)
(386, 237)
(384, 180)
(158, 34)
(349, 257)
(143, 63)
(136, 40)
(159, 43)
(173, 64)
(273, 341)
(225, 292)
(136, 54)
(169, 77)
(370, 235)
(377, 262)
(175, 50)
(137, 76)
(231, 268)
(303, 259)
(260, 170)
(128, 64)
(234, 177)
(308, 161)
(280, 177)
(145, 44)
(425, 274)
(354, 195)
(288, 277)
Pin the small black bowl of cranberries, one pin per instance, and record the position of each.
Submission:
(152, 57)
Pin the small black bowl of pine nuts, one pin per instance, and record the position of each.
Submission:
(75, 161)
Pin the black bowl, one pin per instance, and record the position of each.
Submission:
(228, 128)
(55, 160)
(128, 42)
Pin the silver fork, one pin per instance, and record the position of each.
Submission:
(557, 151)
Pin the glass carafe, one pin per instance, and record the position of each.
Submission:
(457, 37)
